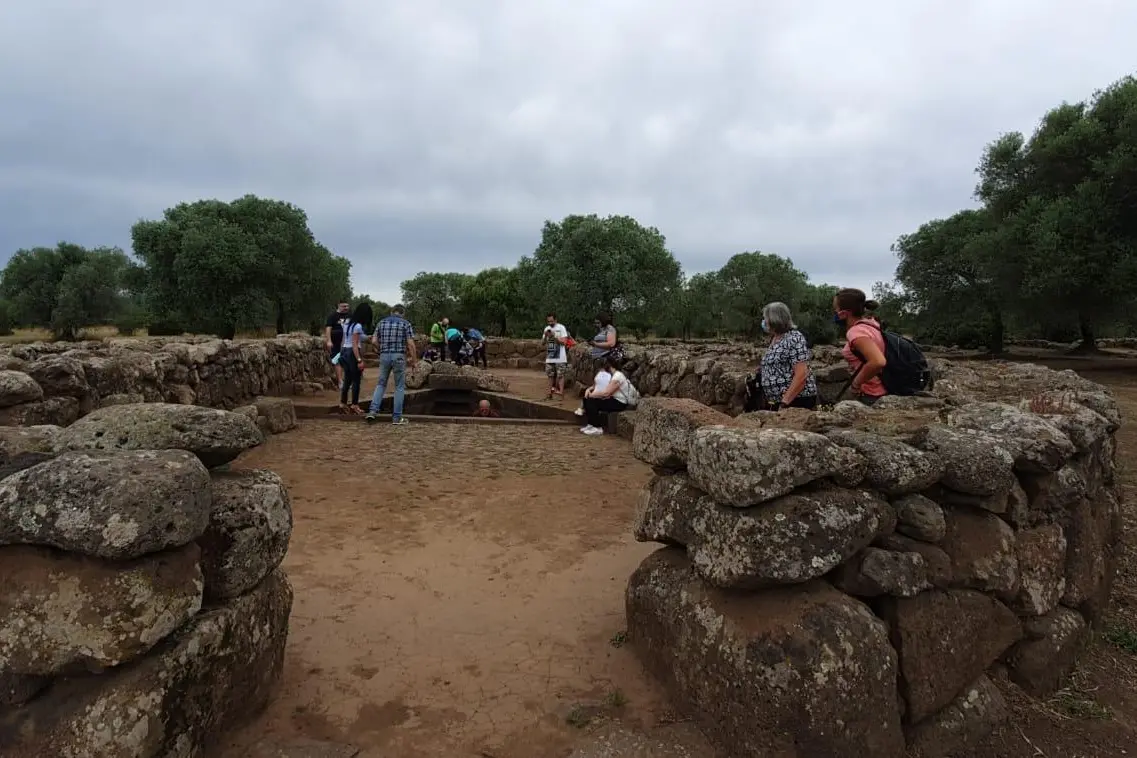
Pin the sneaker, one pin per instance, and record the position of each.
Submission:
(593, 431)
(400, 422)
(579, 411)
(587, 429)
(370, 418)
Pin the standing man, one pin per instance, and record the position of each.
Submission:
(438, 337)
(478, 343)
(556, 358)
(333, 336)
(395, 339)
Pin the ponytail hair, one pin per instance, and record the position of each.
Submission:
(855, 301)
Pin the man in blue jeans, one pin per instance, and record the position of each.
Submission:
(394, 338)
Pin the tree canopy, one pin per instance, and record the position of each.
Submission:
(1052, 250)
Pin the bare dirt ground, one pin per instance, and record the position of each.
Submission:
(459, 592)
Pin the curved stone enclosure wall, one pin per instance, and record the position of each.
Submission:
(56, 383)
(856, 582)
(142, 607)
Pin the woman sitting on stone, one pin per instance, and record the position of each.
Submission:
(864, 343)
(787, 381)
(616, 396)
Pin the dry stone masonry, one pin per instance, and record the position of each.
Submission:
(56, 383)
(864, 581)
(142, 607)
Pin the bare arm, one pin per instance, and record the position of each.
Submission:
(609, 340)
(874, 361)
(412, 348)
(797, 384)
(328, 336)
(613, 385)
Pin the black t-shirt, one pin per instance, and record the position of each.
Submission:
(336, 321)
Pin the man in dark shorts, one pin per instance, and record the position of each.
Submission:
(333, 335)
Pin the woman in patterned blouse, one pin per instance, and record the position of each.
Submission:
(787, 381)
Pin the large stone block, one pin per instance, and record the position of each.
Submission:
(946, 640)
(116, 504)
(218, 670)
(1038, 446)
(65, 613)
(664, 427)
(892, 467)
(1041, 662)
(214, 436)
(961, 724)
(982, 550)
(788, 540)
(250, 526)
(744, 467)
(802, 672)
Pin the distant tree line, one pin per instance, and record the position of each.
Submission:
(1051, 252)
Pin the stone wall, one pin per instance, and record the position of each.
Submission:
(56, 383)
(869, 581)
(142, 608)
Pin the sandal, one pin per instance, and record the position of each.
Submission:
(355, 409)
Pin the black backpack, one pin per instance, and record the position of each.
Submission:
(906, 370)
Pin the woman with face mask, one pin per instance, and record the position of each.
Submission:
(786, 379)
(864, 343)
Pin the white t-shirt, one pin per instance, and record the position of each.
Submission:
(600, 381)
(621, 392)
(554, 351)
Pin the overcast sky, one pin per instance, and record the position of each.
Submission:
(429, 135)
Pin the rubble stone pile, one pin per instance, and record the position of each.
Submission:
(866, 581)
(142, 608)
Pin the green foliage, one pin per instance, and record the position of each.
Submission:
(66, 288)
(429, 297)
(1052, 250)
(216, 267)
(587, 264)
(7, 318)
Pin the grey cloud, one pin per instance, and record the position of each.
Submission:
(428, 135)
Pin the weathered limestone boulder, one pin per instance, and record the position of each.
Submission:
(248, 534)
(876, 572)
(1038, 446)
(249, 411)
(920, 517)
(1091, 544)
(946, 640)
(937, 563)
(55, 411)
(216, 671)
(1042, 567)
(27, 439)
(982, 550)
(664, 427)
(17, 387)
(744, 467)
(484, 380)
(961, 724)
(116, 504)
(214, 436)
(64, 613)
(1050, 497)
(1041, 662)
(1099, 401)
(418, 375)
(893, 467)
(802, 671)
(59, 375)
(975, 463)
(279, 412)
(1084, 427)
(788, 540)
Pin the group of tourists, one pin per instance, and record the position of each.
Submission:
(879, 361)
(464, 346)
